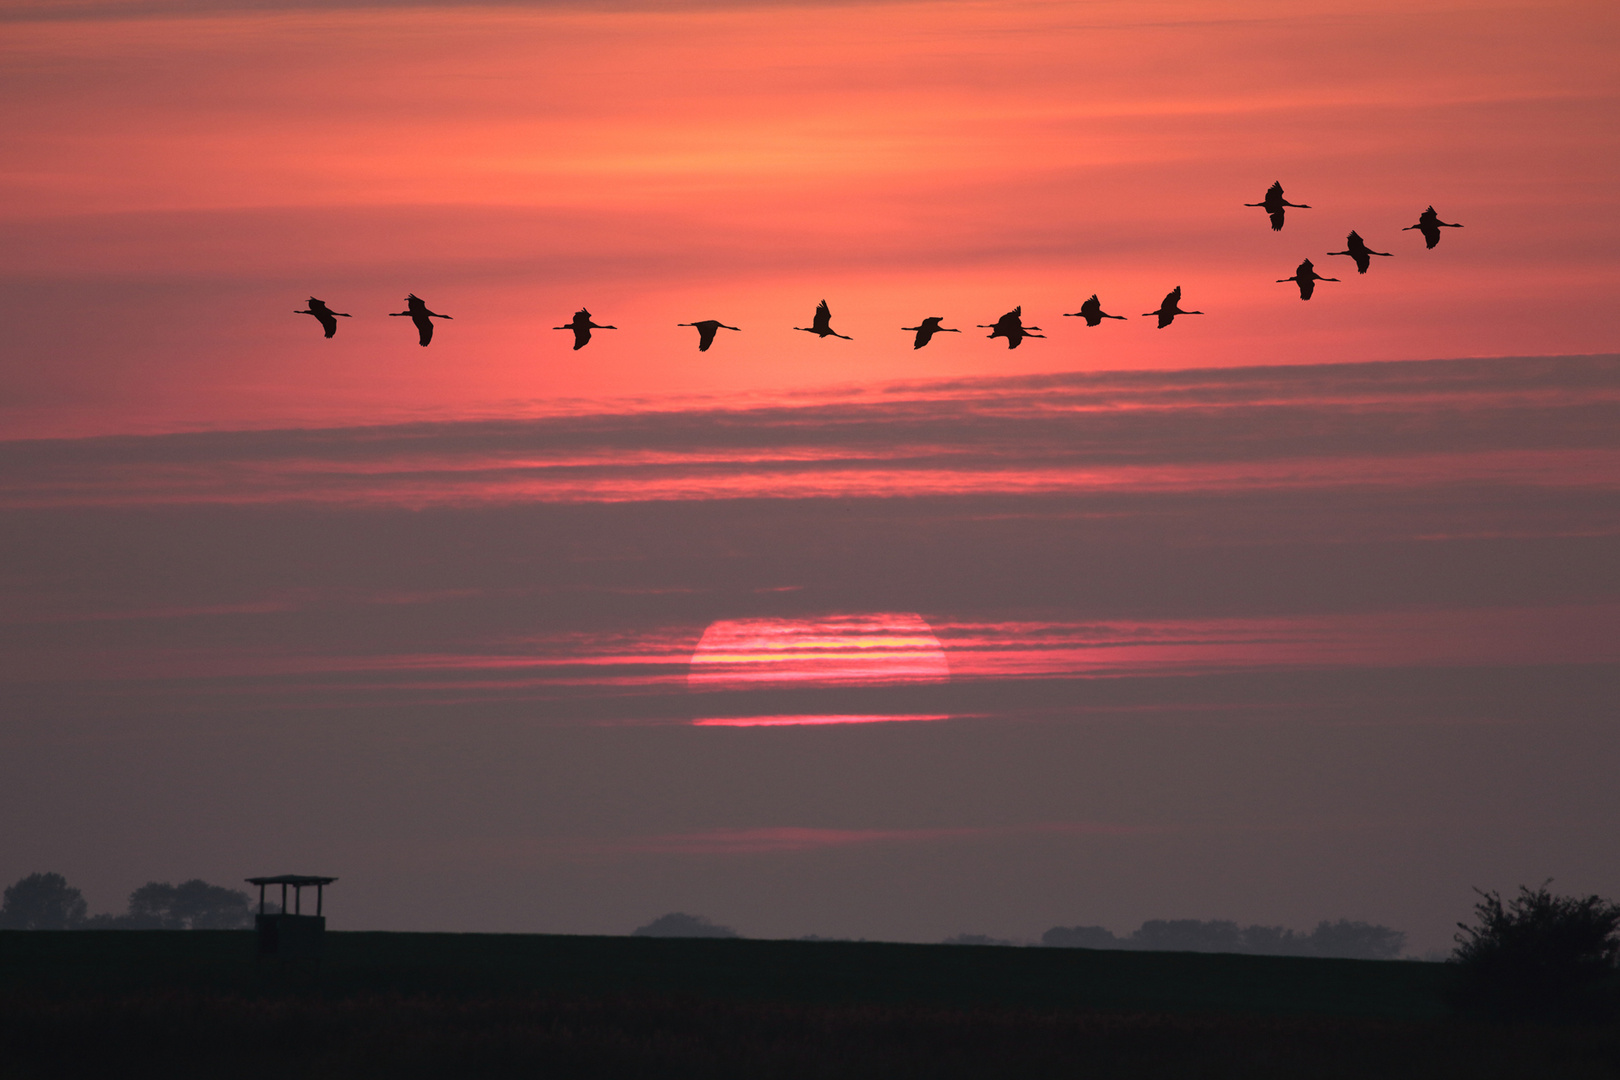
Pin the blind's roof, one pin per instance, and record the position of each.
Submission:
(291, 879)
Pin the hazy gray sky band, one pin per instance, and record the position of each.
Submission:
(1429, 515)
(1550, 422)
(1147, 678)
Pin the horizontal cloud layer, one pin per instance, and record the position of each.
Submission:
(1120, 525)
(1546, 423)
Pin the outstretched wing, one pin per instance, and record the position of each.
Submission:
(823, 319)
(328, 320)
(706, 332)
(424, 327)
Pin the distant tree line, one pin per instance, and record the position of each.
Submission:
(48, 902)
(1352, 940)
(1345, 939)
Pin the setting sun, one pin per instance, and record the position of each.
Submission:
(872, 650)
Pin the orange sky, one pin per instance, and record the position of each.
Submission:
(179, 180)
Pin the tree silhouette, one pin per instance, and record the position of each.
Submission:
(1355, 940)
(191, 905)
(1539, 957)
(975, 939)
(1344, 939)
(679, 924)
(1081, 937)
(42, 902)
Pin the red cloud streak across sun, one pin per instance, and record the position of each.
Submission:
(827, 656)
(883, 647)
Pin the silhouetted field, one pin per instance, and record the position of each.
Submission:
(408, 1005)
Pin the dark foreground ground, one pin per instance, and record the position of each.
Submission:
(132, 1004)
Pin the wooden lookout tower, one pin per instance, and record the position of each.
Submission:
(291, 935)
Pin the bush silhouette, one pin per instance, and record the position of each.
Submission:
(1539, 957)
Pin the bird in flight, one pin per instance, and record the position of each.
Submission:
(1429, 224)
(324, 315)
(1274, 204)
(1170, 308)
(1357, 249)
(930, 326)
(417, 309)
(582, 327)
(1092, 312)
(1306, 277)
(706, 329)
(1011, 326)
(821, 326)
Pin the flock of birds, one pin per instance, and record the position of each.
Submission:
(1010, 326)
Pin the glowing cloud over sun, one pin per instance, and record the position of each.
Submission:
(879, 649)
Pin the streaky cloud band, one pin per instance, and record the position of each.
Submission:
(1550, 421)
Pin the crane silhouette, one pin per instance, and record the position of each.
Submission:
(930, 326)
(1429, 224)
(821, 326)
(324, 315)
(1274, 204)
(1357, 249)
(582, 327)
(417, 309)
(1170, 308)
(1011, 326)
(1092, 312)
(706, 329)
(1306, 277)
